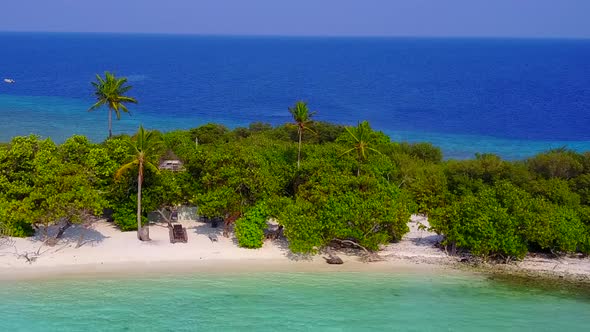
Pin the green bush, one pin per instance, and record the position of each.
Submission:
(17, 229)
(422, 150)
(480, 224)
(553, 228)
(560, 163)
(555, 190)
(331, 205)
(250, 228)
(125, 217)
(468, 176)
(504, 221)
(426, 183)
(210, 133)
(581, 186)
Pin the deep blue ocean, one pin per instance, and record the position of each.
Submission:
(514, 97)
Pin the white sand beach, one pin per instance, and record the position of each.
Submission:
(107, 251)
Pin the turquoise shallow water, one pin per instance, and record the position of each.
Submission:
(62, 117)
(288, 302)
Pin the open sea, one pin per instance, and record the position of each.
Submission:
(289, 302)
(513, 97)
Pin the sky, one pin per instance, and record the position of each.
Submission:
(438, 18)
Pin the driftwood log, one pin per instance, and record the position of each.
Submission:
(368, 256)
(333, 259)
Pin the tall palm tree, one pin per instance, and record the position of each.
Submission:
(110, 91)
(361, 137)
(142, 149)
(302, 117)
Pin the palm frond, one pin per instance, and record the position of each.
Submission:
(98, 104)
(374, 150)
(349, 130)
(310, 130)
(110, 91)
(151, 166)
(346, 152)
(124, 109)
(125, 168)
(125, 99)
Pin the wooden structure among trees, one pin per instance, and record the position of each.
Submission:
(171, 162)
(171, 165)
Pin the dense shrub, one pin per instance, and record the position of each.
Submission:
(42, 183)
(426, 182)
(560, 163)
(125, 217)
(481, 224)
(468, 176)
(555, 190)
(332, 206)
(210, 133)
(581, 186)
(504, 221)
(423, 151)
(17, 229)
(250, 227)
(555, 228)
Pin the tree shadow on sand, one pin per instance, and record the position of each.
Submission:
(77, 235)
(206, 229)
(427, 241)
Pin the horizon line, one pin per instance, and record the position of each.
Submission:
(270, 35)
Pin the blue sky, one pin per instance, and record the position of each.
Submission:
(489, 18)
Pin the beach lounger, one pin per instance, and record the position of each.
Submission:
(178, 234)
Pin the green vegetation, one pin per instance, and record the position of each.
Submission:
(250, 228)
(499, 209)
(354, 186)
(45, 184)
(302, 118)
(142, 150)
(361, 138)
(110, 92)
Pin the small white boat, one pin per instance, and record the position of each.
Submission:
(9, 80)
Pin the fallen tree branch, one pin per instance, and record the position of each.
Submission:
(369, 256)
(352, 243)
(29, 256)
(163, 215)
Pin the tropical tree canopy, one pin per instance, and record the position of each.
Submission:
(362, 139)
(110, 92)
(143, 150)
(493, 208)
(302, 117)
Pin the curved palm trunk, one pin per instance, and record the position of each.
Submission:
(110, 123)
(299, 152)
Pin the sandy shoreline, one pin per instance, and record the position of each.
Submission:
(107, 252)
(225, 267)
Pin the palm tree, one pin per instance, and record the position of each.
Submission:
(110, 91)
(302, 117)
(361, 137)
(143, 148)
